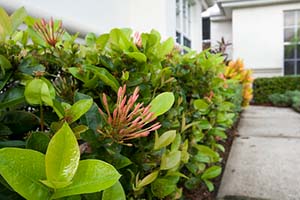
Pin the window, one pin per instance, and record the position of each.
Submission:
(205, 33)
(292, 42)
(183, 22)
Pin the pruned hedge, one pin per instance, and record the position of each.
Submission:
(263, 87)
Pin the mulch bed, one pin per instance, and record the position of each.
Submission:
(202, 192)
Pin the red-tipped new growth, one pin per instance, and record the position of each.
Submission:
(49, 32)
(128, 120)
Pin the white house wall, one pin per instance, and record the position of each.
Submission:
(219, 29)
(100, 16)
(258, 37)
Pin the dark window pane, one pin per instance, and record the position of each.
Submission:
(289, 51)
(206, 28)
(289, 34)
(289, 67)
(186, 42)
(289, 18)
(298, 51)
(298, 67)
(178, 37)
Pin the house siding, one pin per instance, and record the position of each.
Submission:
(258, 37)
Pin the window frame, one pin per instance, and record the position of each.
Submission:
(184, 11)
(293, 43)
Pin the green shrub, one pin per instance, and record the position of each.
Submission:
(263, 87)
(289, 98)
(45, 76)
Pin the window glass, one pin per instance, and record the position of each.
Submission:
(289, 18)
(289, 51)
(289, 34)
(289, 67)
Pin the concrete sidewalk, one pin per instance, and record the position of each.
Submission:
(264, 161)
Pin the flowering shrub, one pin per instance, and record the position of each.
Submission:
(235, 70)
(191, 102)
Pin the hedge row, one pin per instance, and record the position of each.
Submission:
(263, 87)
(136, 105)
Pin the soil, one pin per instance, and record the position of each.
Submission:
(202, 193)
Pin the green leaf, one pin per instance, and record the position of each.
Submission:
(5, 24)
(62, 158)
(37, 92)
(201, 105)
(90, 39)
(38, 141)
(208, 152)
(164, 140)
(36, 38)
(211, 172)
(162, 187)
(115, 192)
(22, 169)
(162, 103)
(5, 79)
(104, 76)
(170, 160)
(17, 18)
(147, 180)
(4, 63)
(16, 121)
(92, 117)
(209, 185)
(166, 47)
(5, 130)
(12, 143)
(91, 176)
(12, 97)
(102, 41)
(78, 109)
(138, 56)
(176, 143)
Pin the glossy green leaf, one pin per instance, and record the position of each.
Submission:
(162, 103)
(5, 130)
(176, 143)
(15, 120)
(104, 76)
(162, 187)
(12, 97)
(212, 172)
(12, 143)
(37, 92)
(78, 109)
(170, 160)
(166, 47)
(4, 64)
(92, 117)
(164, 140)
(147, 180)
(208, 152)
(5, 24)
(90, 39)
(91, 176)
(101, 41)
(38, 141)
(138, 56)
(209, 185)
(23, 169)
(201, 105)
(115, 192)
(17, 18)
(36, 38)
(62, 158)
(4, 80)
